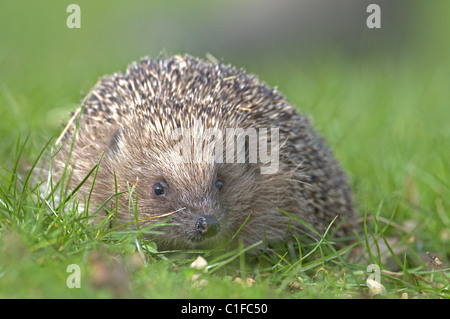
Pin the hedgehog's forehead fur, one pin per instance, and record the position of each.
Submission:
(164, 94)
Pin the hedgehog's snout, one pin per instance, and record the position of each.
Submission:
(207, 226)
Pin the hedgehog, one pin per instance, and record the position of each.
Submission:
(168, 129)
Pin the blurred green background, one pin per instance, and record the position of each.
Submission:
(44, 65)
(379, 96)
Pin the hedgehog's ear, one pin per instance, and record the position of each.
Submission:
(114, 143)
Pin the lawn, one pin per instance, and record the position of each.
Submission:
(384, 110)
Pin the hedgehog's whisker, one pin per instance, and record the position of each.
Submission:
(160, 216)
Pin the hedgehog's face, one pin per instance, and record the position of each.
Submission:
(195, 206)
(201, 201)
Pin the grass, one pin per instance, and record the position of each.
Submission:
(385, 115)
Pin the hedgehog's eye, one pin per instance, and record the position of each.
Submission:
(219, 184)
(159, 189)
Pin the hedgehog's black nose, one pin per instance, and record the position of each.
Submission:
(207, 226)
